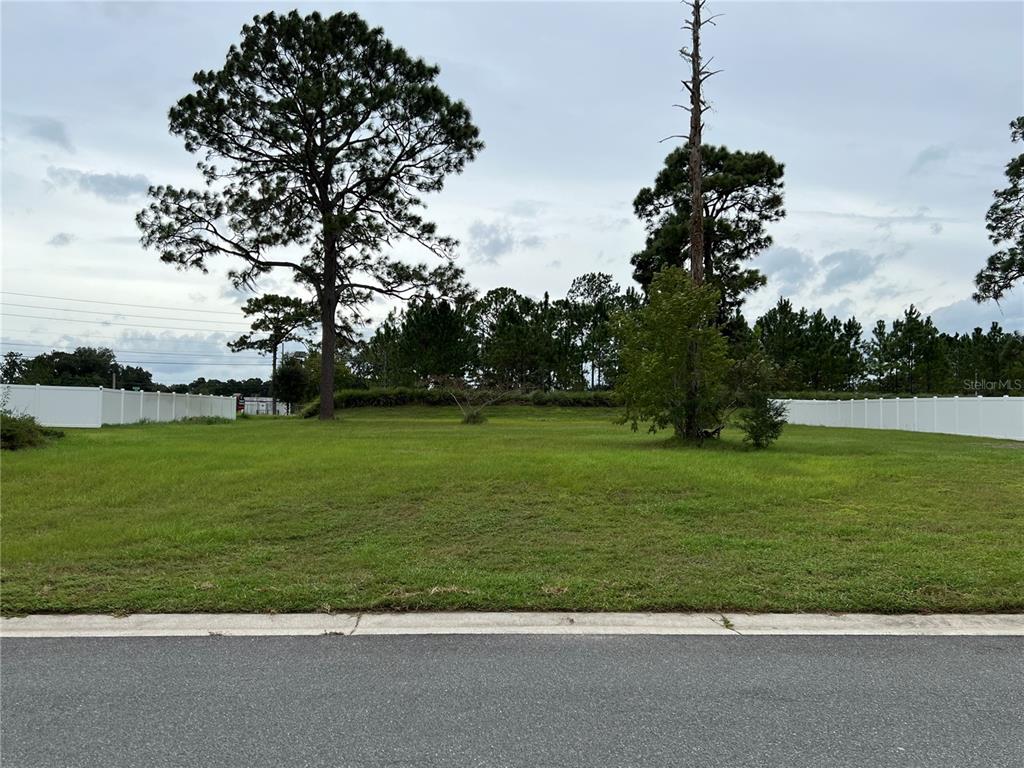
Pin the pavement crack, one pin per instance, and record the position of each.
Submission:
(359, 617)
(725, 622)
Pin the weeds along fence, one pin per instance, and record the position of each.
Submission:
(1001, 417)
(96, 406)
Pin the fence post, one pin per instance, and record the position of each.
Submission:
(122, 406)
(35, 402)
(174, 406)
(914, 428)
(142, 405)
(897, 412)
(956, 414)
(99, 420)
(158, 406)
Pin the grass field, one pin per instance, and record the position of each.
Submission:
(536, 509)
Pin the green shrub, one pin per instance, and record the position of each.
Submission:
(675, 360)
(19, 432)
(763, 421)
(474, 417)
(598, 398)
(394, 396)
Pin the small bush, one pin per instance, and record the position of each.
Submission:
(20, 432)
(204, 420)
(474, 417)
(763, 421)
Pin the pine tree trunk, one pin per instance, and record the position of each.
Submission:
(329, 335)
(273, 375)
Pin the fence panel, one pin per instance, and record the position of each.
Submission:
(1001, 417)
(946, 416)
(55, 406)
(94, 406)
(112, 399)
(133, 407)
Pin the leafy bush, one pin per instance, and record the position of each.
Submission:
(474, 417)
(763, 421)
(394, 396)
(675, 360)
(19, 432)
(204, 420)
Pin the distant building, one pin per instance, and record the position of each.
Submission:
(261, 406)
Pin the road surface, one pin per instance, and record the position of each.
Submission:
(489, 700)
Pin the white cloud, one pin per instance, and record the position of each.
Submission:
(489, 241)
(966, 315)
(61, 239)
(113, 187)
(928, 159)
(42, 128)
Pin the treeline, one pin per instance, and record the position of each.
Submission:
(253, 387)
(509, 341)
(502, 340)
(98, 367)
(84, 367)
(814, 352)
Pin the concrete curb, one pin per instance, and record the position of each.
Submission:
(241, 624)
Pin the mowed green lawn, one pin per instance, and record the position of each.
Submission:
(536, 509)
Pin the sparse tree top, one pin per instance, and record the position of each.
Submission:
(1005, 223)
(314, 128)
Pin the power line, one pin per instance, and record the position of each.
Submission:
(123, 325)
(137, 351)
(192, 363)
(189, 363)
(147, 337)
(90, 339)
(117, 313)
(119, 304)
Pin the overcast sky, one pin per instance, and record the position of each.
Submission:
(891, 119)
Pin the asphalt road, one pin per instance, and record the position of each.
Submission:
(513, 701)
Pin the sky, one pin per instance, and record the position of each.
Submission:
(891, 120)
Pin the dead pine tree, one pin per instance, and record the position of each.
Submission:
(699, 72)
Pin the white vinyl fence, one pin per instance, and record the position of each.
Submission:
(979, 416)
(95, 406)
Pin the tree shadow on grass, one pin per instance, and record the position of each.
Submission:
(660, 442)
